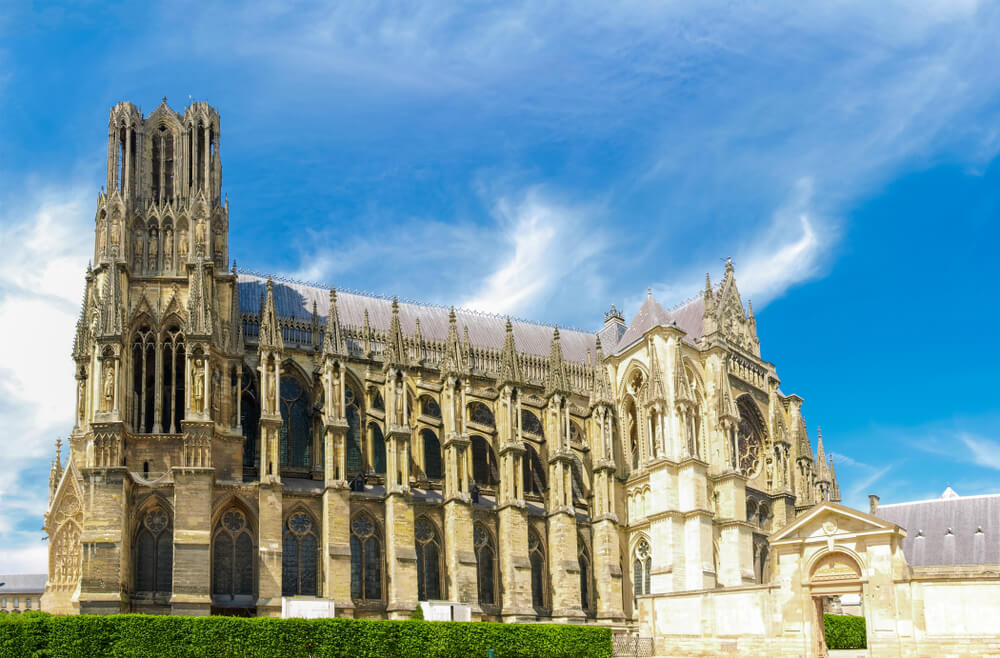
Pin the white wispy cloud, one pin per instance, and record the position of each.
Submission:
(984, 452)
(47, 243)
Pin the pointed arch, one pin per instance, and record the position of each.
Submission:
(586, 574)
(432, 454)
(533, 472)
(642, 565)
(233, 554)
(300, 553)
(485, 546)
(153, 547)
(367, 565)
(484, 462)
(480, 414)
(539, 572)
(430, 550)
(174, 371)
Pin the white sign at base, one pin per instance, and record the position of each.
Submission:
(306, 608)
(446, 611)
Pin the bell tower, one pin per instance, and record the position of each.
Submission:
(158, 352)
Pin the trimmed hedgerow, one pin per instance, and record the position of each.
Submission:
(845, 632)
(128, 636)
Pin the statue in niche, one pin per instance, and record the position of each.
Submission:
(335, 395)
(100, 236)
(152, 249)
(138, 250)
(116, 237)
(168, 248)
(182, 243)
(400, 419)
(199, 233)
(109, 386)
(81, 398)
(269, 390)
(197, 385)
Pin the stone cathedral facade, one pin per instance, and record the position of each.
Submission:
(239, 438)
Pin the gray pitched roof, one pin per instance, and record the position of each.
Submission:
(687, 316)
(948, 531)
(295, 300)
(23, 583)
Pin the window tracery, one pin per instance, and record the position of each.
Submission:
(232, 556)
(299, 556)
(174, 376)
(428, 545)
(750, 440)
(154, 550)
(430, 407)
(143, 402)
(536, 556)
(296, 444)
(531, 424)
(486, 555)
(642, 565)
(366, 560)
(479, 413)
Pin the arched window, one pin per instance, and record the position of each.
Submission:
(484, 463)
(378, 448)
(576, 433)
(154, 553)
(143, 403)
(531, 424)
(641, 567)
(486, 567)
(429, 407)
(296, 443)
(428, 545)
(173, 380)
(233, 557)
(377, 401)
(534, 473)
(536, 555)
(250, 422)
(353, 431)
(579, 491)
(366, 559)
(750, 440)
(432, 455)
(632, 431)
(299, 557)
(583, 558)
(479, 413)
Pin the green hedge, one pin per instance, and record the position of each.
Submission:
(845, 632)
(124, 636)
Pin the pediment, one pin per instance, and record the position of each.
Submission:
(829, 520)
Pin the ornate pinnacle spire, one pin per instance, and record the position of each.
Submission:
(235, 317)
(556, 380)
(682, 387)
(834, 485)
(199, 320)
(510, 363)
(366, 331)
(315, 328)
(418, 343)
(111, 304)
(333, 338)
(81, 341)
(805, 446)
(269, 334)
(822, 475)
(453, 363)
(55, 472)
(724, 401)
(396, 352)
(657, 389)
(600, 392)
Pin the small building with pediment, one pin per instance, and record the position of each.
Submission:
(831, 551)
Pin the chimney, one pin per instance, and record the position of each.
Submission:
(872, 503)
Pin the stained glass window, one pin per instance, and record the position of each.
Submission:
(232, 556)
(366, 560)
(296, 443)
(536, 555)
(299, 557)
(353, 439)
(484, 463)
(750, 439)
(485, 549)
(378, 449)
(432, 455)
(534, 474)
(250, 418)
(430, 407)
(641, 567)
(583, 557)
(530, 423)
(481, 414)
(428, 546)
(154, 552)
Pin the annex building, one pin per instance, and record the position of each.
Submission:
(240, 438)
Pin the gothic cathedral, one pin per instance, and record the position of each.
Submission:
(240, 438)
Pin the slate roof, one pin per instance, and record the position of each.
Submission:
(688, 316)
(23, 583)
(295, 300)
(948, 531)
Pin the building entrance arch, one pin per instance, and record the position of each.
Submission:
(835, 573)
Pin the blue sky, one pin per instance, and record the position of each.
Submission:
(546, 160)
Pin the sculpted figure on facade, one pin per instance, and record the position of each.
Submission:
(182, 243)
(109, 386)
(198, 384)
(168, 249)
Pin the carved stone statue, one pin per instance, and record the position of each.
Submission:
(100, 236)
(81, 398)
(116, 236)
(138, 250)
(269, 390)
(109, 387)
(152, 249)
(198, 386)
(168, 248)
(199, 233)
(182, 243)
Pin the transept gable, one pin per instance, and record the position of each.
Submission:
(66, 503)
(724, 313)
(650, 314)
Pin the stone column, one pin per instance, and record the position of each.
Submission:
(736, 536)
(696, 510)
(515, 568)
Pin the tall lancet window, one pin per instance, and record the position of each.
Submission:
(486, 566)
(143, 402)
(299, 556)
(642, 565)
(428, 545)
(154, 552)
(536, 556)
(295, 440)
(172, 404)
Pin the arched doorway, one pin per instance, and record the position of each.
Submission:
(834, 574)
